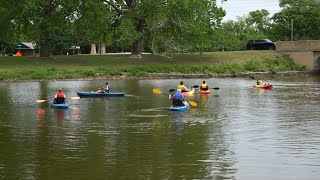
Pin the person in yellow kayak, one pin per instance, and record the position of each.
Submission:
(177, 98)
(182, 87)
(204, 86)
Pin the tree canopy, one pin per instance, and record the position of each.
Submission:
(148, 25)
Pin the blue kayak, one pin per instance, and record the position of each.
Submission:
(60, 106)
(180, 108)
(95, 94)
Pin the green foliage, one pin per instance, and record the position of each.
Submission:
(87, 73)
(61, 39)
(260, 20)
(137, 73)
(306, 19)
(233, 35)
(255, 66)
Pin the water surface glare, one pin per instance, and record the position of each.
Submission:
(236, 132)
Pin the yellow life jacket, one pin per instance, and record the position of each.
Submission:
(181, 87)
(203, 86)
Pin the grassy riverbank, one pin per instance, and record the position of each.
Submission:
(95, 66)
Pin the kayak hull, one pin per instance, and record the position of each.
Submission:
(263, 86)
(205, 91)
(180, 108)
(60, 106)
(94, 94)
(189, 93)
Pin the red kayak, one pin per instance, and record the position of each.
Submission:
(263, 86)
(205, 91)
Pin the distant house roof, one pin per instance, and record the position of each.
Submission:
(25, 45)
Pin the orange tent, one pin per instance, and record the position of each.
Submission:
(18, 53)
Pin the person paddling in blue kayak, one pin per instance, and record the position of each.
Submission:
(204, 86)
(59, 98)
(105, 89)
(177, 98)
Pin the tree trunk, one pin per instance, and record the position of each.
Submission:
(137, 44)
(93, 49)
(136, 49)
(44, 48)
(47, 11)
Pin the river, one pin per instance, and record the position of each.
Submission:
(237, 132)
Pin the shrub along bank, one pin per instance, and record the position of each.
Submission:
(113, 66)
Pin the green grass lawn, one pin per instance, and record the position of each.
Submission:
(77, 66)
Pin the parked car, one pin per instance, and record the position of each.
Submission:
(261, 44)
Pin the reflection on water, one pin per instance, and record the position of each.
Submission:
(236, 132)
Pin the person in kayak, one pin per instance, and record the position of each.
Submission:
(105, 89)
(259, 81)
(204, 86)
(177, 98)
(59, 98)
(182, 87)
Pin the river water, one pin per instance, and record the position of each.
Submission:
(237, 132)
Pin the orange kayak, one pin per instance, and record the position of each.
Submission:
(205, 91)
(263, 86)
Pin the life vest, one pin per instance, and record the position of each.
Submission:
(203, 86)
(60, 95)
(107, 87)
(181, 87)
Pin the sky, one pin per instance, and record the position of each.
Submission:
(236, 8)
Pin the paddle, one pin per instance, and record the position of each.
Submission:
(41, 100)
(215, 88)
(192, 103)
(157, 91)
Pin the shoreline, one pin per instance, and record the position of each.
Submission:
(179, 76)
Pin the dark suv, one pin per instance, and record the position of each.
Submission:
(261, 44)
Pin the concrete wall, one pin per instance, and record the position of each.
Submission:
(314, 45)
(304, 52)
(303, 58)
(302, 45)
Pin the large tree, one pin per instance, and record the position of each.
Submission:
(94, 23)
(41, 18)
(180, 24)
(259, 20)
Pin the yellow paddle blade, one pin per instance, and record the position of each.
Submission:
(192, 103)
(40, 101)
(77, 97)
(156, 91)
